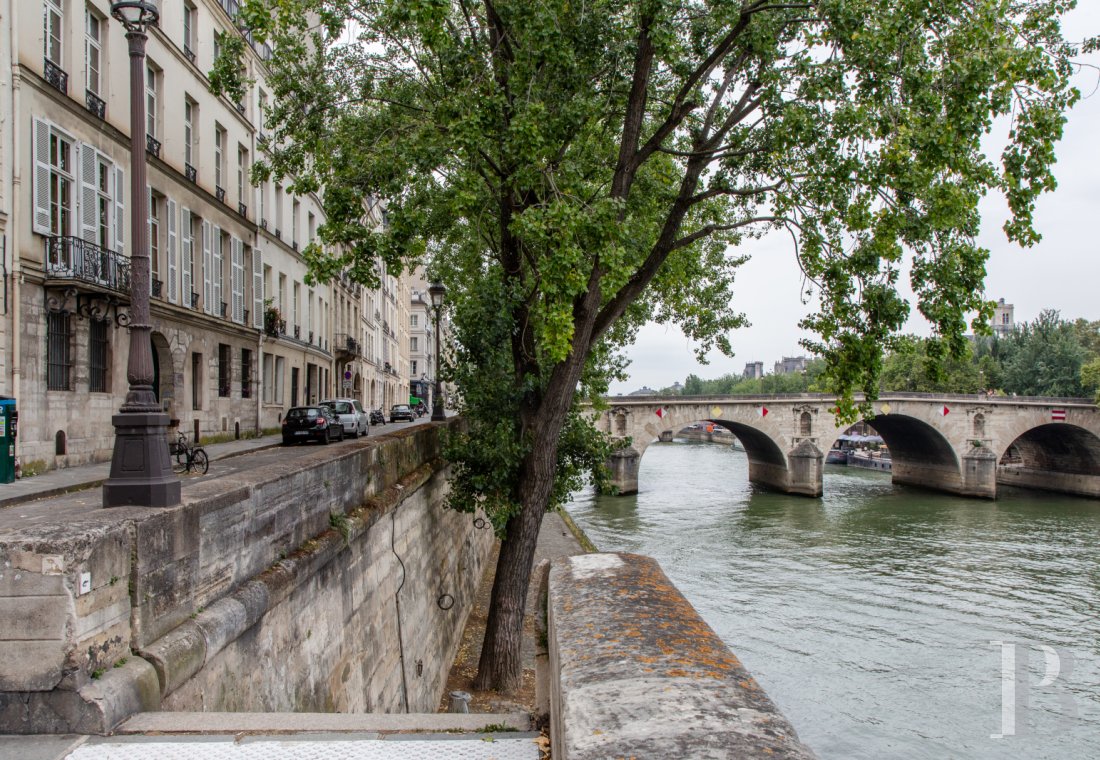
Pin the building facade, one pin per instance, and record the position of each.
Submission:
(238, 334)
(1004, 318)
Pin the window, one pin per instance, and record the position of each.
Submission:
(242, 173)
(263, 111)
(219, 156)
(280, 370)
(223, 369)
(189, 109)
(196, 381)
(93, 52)
(58, 357)
(413, 370)
(295, 216)
(414, 345)
(269, 379)
(103, 205)
(97, 356)
(279, 211)
(189, 26)
(53, 32)
(414, 320)
(155, 204)
(246, 373)
(60, 184)
(311, 227)
(152, 82)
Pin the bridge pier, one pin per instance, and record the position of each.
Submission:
(666, 436)
(801, 476)
(624, 470)
(979, 469)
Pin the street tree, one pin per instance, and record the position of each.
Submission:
(572, 170)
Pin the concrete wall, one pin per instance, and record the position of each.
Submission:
(249, 596)
(635, 672)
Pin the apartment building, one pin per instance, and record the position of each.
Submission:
(238, 334)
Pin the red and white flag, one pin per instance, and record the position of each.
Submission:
(660, 413)
(944, 411)
(1058, 415)
(763, 411)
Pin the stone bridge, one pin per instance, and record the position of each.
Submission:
(952, 443)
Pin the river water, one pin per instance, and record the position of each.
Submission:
(871, 616)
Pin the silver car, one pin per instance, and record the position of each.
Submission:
(351, 415)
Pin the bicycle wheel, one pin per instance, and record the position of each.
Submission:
(199, 461)
(178, 466)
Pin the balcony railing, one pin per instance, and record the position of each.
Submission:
(152, 145)
(55, 76)
(242, 209)
(298, 332)
(224, 309)
(189, 53)
(191, 172)
(219, 193)
(158, 288)
(346, 344)
(245, 320)
(263, 224)
(77, 259)
(194, 300)
(95, 104)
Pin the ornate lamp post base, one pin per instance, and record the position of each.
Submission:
(141, 472)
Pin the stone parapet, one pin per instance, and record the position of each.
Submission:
(635, 672)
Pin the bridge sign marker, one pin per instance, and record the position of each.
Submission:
(945, 411)
(716, 411)
(763, 412)
(1058, 415)
(660, 413)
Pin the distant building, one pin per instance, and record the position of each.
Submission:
(753, 370)
(790, 364)
(1003, 318)
(645, 390)
(677, 388)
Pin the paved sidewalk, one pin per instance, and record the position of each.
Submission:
(58, 482)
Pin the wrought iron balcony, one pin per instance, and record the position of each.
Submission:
(242, 209)
(240, 108)
(158, 288)
(194, 300)
(311, 337)
(278, 233)
(73, 258)
(263, 224)
(298, 332)
(191, 172)
(95, 104)
(345, 344)
(219, 193)
(224, 309)
(245, 320)
(55, 76)
(294, 245)
(152, 145)
(189, 53)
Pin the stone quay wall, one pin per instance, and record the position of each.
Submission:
(333, 582)
(635, 672)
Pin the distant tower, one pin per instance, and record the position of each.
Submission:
(1003, 318)
(753, 370)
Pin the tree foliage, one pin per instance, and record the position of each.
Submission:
(573, 170)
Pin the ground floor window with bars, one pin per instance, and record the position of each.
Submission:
(58, 351)
(246, 373)
(97, 356)
(223, 369)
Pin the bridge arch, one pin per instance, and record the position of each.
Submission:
(1055, 456)
(920, 455)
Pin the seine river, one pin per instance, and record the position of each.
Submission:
(868, 615)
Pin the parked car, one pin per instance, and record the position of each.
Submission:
(351, 415)
(311, 423)
(377, 417)
(401, 412)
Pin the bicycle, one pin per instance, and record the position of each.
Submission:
(186, 456)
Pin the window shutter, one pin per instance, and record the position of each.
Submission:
(41, 177)
(236, 280)
(257, 289)
(173, 284)
(207, 268)
(149, 232)
(120, 237)
(217, 277)
(186, 253)
(88, 214)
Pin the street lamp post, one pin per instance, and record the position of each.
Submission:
(436, 290)
(141, 473)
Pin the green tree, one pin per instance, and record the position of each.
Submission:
(573, 170)
(910, 367)
(1043, 358)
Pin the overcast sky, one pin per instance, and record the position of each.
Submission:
(1061, 272)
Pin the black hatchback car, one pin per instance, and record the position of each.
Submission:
(311, 423)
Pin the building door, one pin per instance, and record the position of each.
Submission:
(294, 386)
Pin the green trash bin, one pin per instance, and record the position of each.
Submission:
(9, 421)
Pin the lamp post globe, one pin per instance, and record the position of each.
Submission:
(436, 290)
(141, 473)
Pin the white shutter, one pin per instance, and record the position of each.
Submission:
(120, 237)
(217, 310)
(186, 252)
(240, 281)
(88, 214)
(173, 283)
(207, 267)
(149, 232)
(257, 289)
(41, 177)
